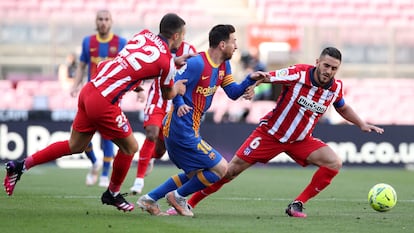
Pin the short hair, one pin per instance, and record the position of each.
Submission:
(218, 33)
(170, 24)
(333, 52)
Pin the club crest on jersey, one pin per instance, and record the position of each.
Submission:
(212, 155)
(247, 151)
(311, 105)
(125, 128)
(221, 74)
(113, 50)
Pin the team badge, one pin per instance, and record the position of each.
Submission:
(221, 74)
(212, 155)
(113, 50)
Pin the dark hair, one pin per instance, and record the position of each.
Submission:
(220, 32)
(170, 24)
(333, 52)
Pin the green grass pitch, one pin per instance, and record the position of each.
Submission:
(49, 199)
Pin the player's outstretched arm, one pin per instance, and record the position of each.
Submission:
(179, 88)
(350, 115)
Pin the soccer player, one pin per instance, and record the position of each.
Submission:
(146, 56)
(201, 163)
(96, 48)
(306, 94)
(155, 111)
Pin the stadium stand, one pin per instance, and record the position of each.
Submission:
(375, 36)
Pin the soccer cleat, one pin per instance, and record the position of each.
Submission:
(149, 205)
(179, 203)
(295, 209)
(14, 170)
(104, 181)
(171, 211)
(92, 176)
(118, 201)
(138, 186)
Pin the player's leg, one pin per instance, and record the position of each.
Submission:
(92, 176)
(235, 167)
(128, 146)
(145, 154)
(108, 155)
(148, 202)
(329, 164)
(76, 144)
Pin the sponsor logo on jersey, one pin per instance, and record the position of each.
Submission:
(206, 91)
(311, 105)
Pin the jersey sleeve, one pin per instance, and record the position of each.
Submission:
(285, 75)
(85, 56)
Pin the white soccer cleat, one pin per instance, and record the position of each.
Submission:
(103, 181)
(92, 176)
(138, 186)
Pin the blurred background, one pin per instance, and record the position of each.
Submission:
(376, 38)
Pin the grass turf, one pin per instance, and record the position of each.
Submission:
(50, 199)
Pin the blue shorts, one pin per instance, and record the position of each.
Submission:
(193, 154)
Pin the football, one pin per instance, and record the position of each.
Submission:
(382, 197)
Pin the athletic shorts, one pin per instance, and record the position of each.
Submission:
(155, 118)
(95, 113)
(192, 154)
(261, 147)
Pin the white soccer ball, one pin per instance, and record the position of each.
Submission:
(382, 197)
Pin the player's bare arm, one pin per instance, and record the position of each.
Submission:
(349, 114)
(80, 71)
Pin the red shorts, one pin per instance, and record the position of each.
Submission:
(262, 147)
(155, 118)
(95, 113)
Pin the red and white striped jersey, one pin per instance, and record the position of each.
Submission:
(301, 103)
(154, 98)
(145, 56)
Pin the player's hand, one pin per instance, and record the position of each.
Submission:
(370, 128)
(180, 87)
(140, 96)
(74, 91)
(183, 109)
(249, 92)
(259, 75)
(182, 60)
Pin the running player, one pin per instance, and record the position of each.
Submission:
(96, 48)
(306, 94)
(146, 56)
(155, 111)
(201, 163)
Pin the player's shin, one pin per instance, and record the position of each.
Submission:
(200, 195)
(320, 180)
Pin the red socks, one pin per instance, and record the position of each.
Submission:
(120, 168)
(200, 195)
(320, 180)
(50, 153)
(144, 157)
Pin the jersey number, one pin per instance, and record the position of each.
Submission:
(151, 52)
